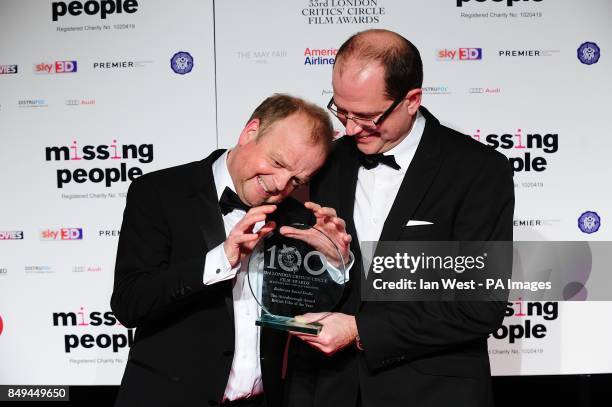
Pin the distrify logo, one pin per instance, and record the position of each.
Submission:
(61, 234)
(92, 7)
(103, 152)
(436, 90)
(38, 269)
(8, 69)
(55, 67)
(95, 319)
(32, 103)
(11, 234)
(460, 54)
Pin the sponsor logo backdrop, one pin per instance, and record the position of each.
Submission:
(74, 135)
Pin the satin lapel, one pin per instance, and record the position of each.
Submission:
(347, 184)
(418, 178)
(205, 207)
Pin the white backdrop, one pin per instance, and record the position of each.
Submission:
(242, 52)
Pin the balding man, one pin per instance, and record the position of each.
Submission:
(399, 175)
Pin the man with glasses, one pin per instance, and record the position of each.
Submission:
(399, 175)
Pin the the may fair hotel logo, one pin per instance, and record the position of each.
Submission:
(343, 12)
(261, 55)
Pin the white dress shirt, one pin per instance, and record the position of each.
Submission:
(378, 187)
(245, 375)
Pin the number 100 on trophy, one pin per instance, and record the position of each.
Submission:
(295, 275)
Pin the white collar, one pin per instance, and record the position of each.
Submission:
(404, 151)
(221, 175)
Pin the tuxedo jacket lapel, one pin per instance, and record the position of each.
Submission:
(205, 207)
(416, 182)
(348, 185)
(206, 204)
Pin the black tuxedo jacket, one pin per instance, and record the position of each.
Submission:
(416, 353)
(184, 342)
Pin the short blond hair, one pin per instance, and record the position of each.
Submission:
(280, 106)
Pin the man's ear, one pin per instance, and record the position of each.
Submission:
(414, 100)
(249, 132)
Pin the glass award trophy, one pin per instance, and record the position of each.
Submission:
(295, 275)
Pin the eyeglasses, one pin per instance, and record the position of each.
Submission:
(364, 123)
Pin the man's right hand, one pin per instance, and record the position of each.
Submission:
(242, 239)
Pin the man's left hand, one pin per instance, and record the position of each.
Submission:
(339, 330)
(328, 222)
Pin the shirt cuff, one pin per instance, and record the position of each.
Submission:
(335, 273)
(217, 267)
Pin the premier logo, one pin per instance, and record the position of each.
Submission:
(61, 234)
(56, 67)
(527, 52)
(460, 54)
(113, 65)
(92, 7)
(104, 65)
(8, 69)
(109, 233)
(509, 3)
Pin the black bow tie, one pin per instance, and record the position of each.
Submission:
(370, 161)
(230, 201)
